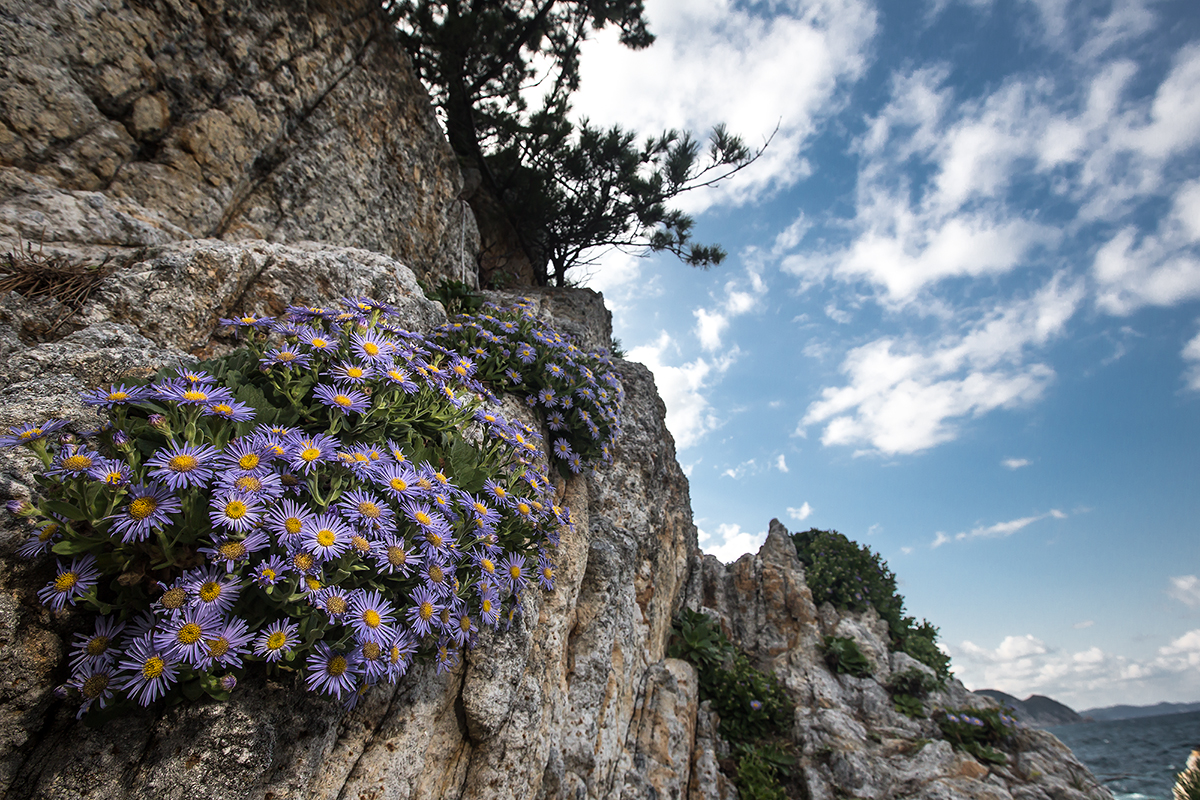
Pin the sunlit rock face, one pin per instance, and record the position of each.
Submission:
(125, 125)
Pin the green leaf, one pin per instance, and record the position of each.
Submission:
(63, 509)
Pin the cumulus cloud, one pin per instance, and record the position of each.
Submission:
(1191, 356)
(730, 542)
(781, 463)
(739, 296)
(801, 513)
(683, 388)
(750, 66)
(1084, 625)
(1185, 589)
(1015, 463)
(1024, 665)
(902, 397)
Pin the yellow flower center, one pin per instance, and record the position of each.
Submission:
(189, 634)
(232, 551)
(153, 667)
(371, 618)
(398, 484)
(426, 611)
(65, 582)
(337, 666)
(195, 395)
(396, 556)
(312, 583)
(47, 532)
(248, 483)
(423, 518)
(276, 640)
(114, 477)
(514, 572)
(310, 454)
(486, 605)
(464, 623)
(218, 647)
(354, 372)
(235, 509)
(77, 463)
(370, 348)
(326, 537)
(183, 463)
(318, 342)
(117, 397)
(361, 457)
(223, 408)
(303, 561)
(248, 461)
(174, 598)
(499, 492)
(268, 574)
(360, 544)
(371, 651)
(436, 575)
(487, 565)
(292, 525)
(343, 401)
(142, 507)
(434, 539)
(286, 355)
(523, 509)
(96, 645)
(369, 509)
(336, 605)
(209, 591)
(94, 686)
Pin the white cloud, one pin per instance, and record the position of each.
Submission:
(1015, 463)
(739, 296)
(741, 469)
(999, 530)
(903, 399)
(1191, 355)
(1084, 625)
(1185, 589)
(730, 542)
(748, 66)
(1024, 665)
(781, 463)
(801, 513)
(684, 388)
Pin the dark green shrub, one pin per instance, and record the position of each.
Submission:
(759, 768)
(912, 682)
(977, 732)
(843, 657)
(909, 706)
(853, 578)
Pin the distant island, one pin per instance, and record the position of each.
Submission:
(1043, 712)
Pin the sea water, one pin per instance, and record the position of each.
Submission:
(1137, 759)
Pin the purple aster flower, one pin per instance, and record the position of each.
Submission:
(424, 611)
(342, 399)
(305, 452)
(231, 410)
(173, 600)
(41, 540)
(333, 600)
(392, 556)
(399, 480)
(526, 353)
(115, 396)
(287, 357)
(435, 533)
(463, 629)
(331, 671)
(264, 486)
(371, 346)
(277, 640)
(364, 509)
(94, 682)
(246, 455)
(111, 471)
(326, 536)
(402, 380)
(233, 550)
(446, 655)
(372, 617)
(268, 572)
(489, 606)
(28, 433)
(496, 493)
(399, 654)
(248, 321)
(318, 340)
(214, 587)
(372, 660)
(97, 648)
(181, 465)
(562, 449)
(235, 511)
(71, 582)
(575, 463)
(756, 705)
(183, 636)
(226, 648)
(301, 562)
(555, 422)
(196, 394)
(153, 670)
(286, 520)
(546, 572)
(349, 373)
(513, 572)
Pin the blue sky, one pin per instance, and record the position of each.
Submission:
(960, 319)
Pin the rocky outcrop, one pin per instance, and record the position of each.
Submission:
(850, 739)
(125, 125)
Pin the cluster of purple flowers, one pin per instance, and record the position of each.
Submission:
(386, 556)
(579, 392)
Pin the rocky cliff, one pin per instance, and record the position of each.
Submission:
(206, 144)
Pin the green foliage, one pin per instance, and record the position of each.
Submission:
(909, 705)
(457, 297)
(852, 577)
(1187, 783)
(751, 704)
(616, 348)
(909, 689)
(759, 769)
(260, 475)
(579, 393)
(977, 732)
(843, 657)
(564, 189)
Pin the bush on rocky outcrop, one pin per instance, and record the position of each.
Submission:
(853, 578)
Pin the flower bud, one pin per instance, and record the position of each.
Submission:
(228, 682)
